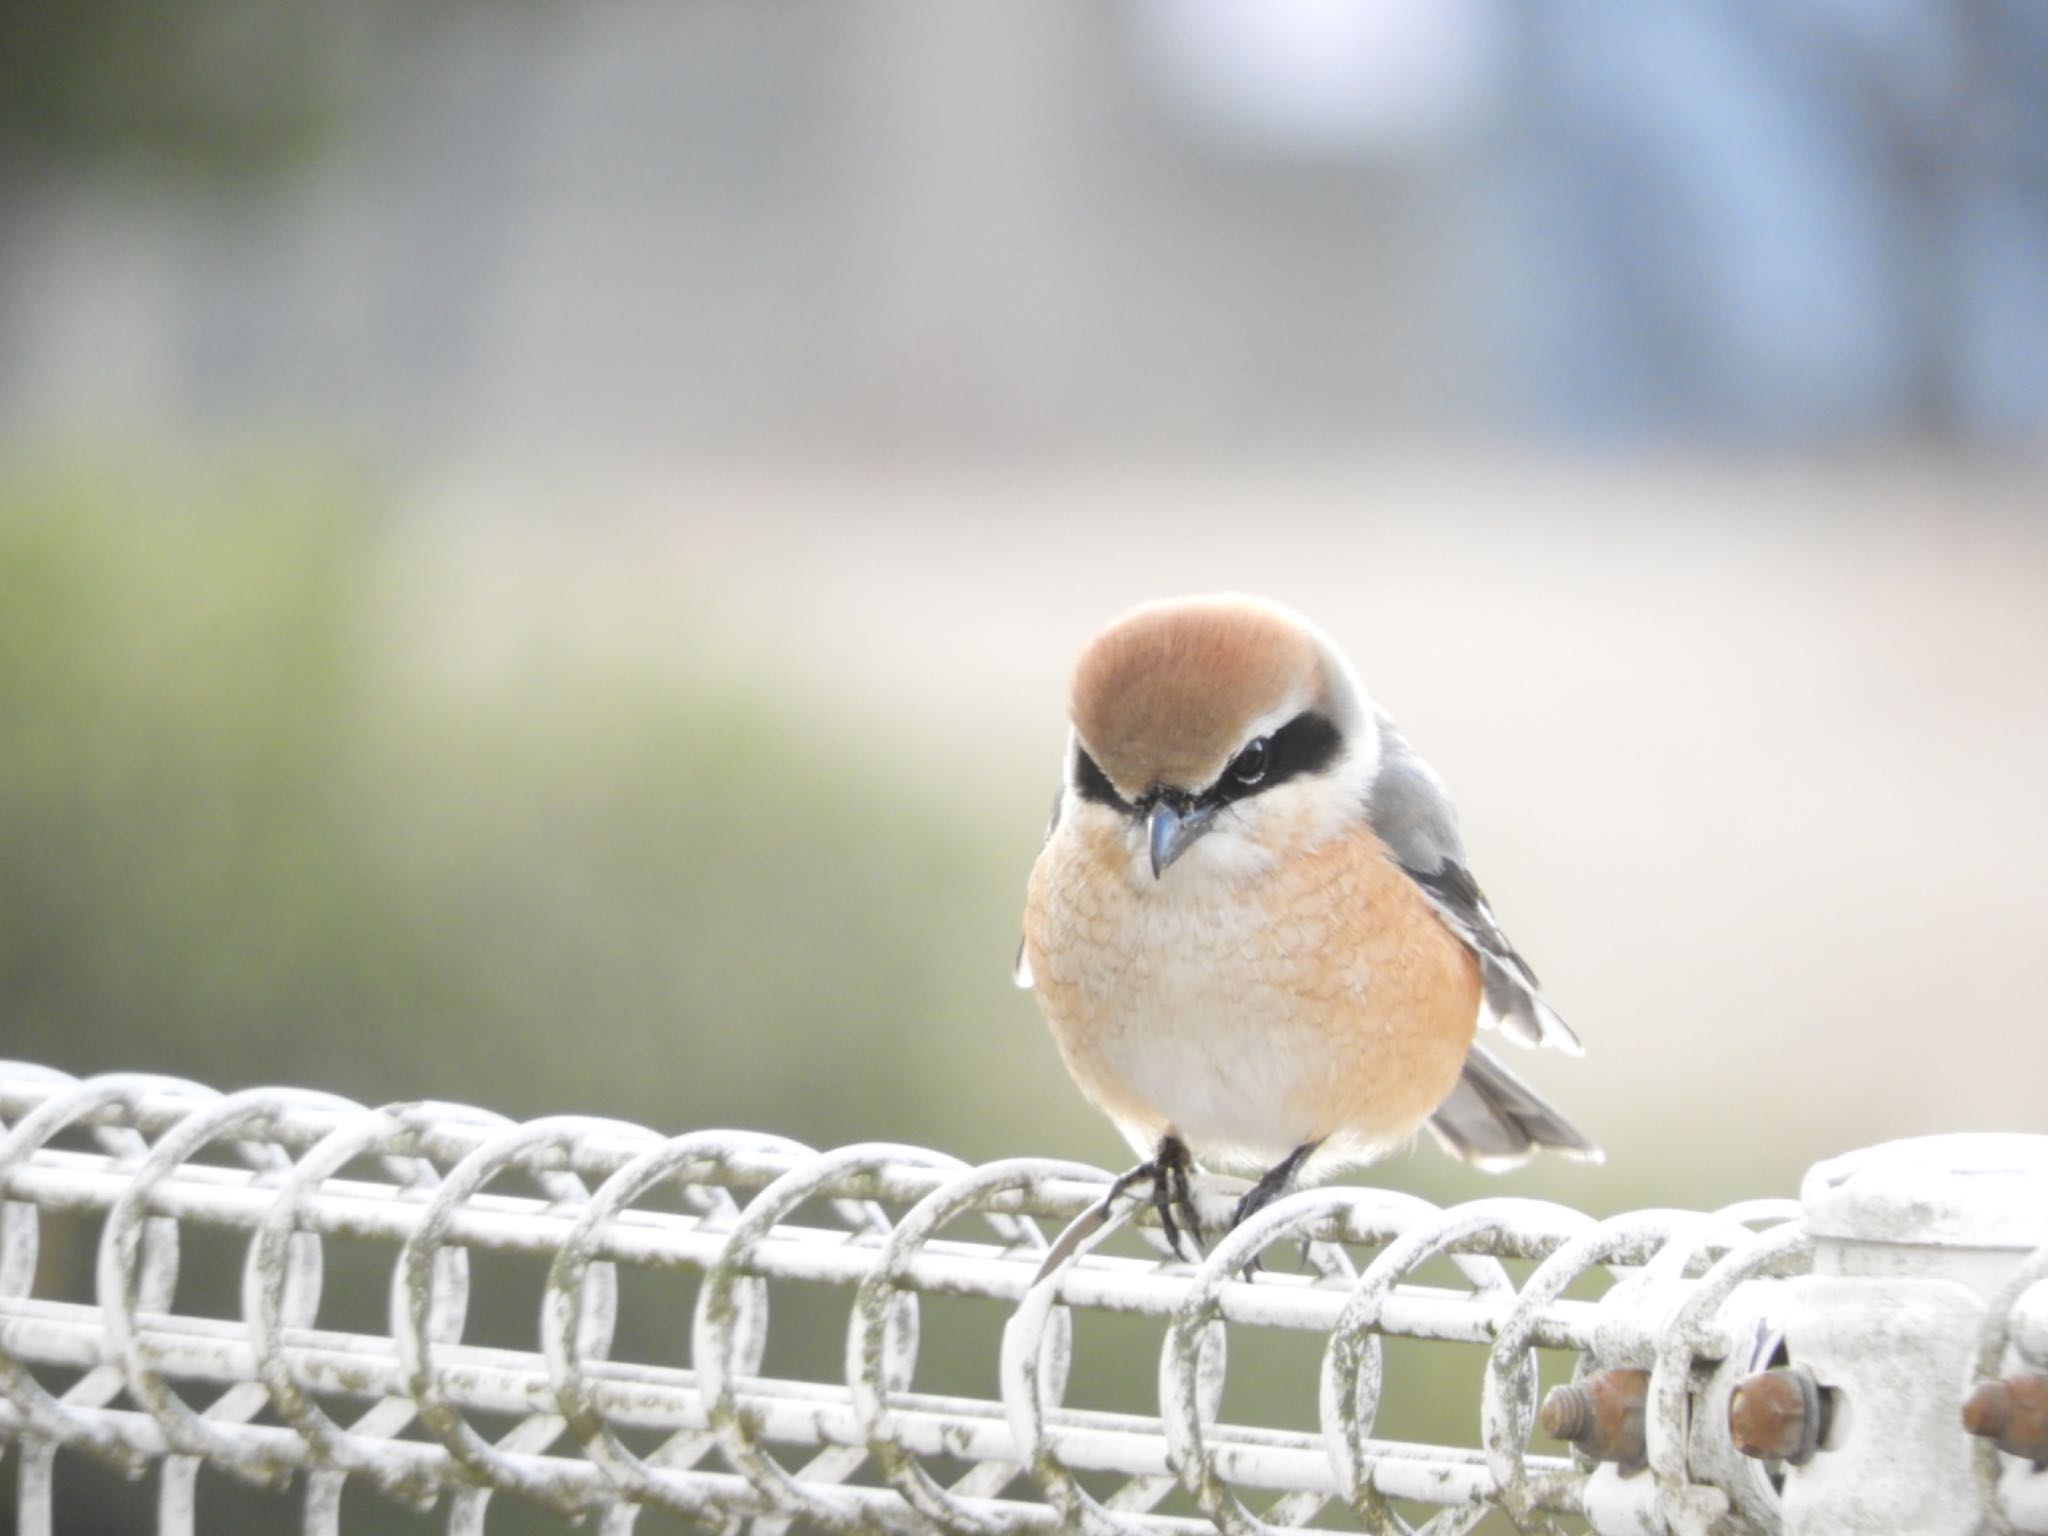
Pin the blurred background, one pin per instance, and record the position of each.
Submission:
(540, 544)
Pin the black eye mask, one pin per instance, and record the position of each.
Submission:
(1306, 744)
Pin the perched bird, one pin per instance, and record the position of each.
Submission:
(1252, 928)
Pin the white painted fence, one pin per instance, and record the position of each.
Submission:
(1780, 1366)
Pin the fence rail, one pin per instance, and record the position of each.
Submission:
(1852, 1325)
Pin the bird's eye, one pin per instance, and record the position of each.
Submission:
(1249, 766)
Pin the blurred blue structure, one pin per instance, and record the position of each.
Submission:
(1786, 225)
(906, 229)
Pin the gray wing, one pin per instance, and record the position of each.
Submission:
(1495, 1120)
(1409, 809)
(1020, 969)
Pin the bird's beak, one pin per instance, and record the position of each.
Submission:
(1171, 833)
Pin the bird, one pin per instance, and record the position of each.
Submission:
(1253, 930)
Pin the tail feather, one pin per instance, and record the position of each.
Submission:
(1515, 1006)
(1495, 1120)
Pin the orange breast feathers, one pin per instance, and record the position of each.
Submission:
(1316, 998)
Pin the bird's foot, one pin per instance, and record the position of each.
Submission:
(1272, 1184)
(1167, 1190)
(1167, 1177)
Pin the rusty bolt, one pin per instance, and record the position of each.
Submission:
(2014, 1414)
(1602, 1415)
(1779, 1415)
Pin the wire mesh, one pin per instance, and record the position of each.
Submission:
(295, 1379)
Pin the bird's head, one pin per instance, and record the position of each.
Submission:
(1225, 723)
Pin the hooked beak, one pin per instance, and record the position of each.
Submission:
(1171, 833)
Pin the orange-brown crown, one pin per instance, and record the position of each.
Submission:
(1169, 691)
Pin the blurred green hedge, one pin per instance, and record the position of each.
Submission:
(244, 837)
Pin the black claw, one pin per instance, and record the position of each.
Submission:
(1175, 1195)
(1143, 1173)
(1170, 1195)
(1272, 1184)
(1164, 1206)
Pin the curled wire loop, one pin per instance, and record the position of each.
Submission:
(1352, 1365)
(355, 1451)
(510, 1463)
(1193, 1358)
(62, 1422)
(206, 1434)
(1037, 1356)
(1694, 1333)
(881, 1349)
(571, 1348)
(722, 1334)
(1507, 1404)
(270, 1305)
(20, 1228)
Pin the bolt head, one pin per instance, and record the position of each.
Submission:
(1602, 1415)
(2013, 1413)
(1777, 1415)
(1988, 1410)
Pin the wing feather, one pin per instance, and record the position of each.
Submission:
(1412, 813)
